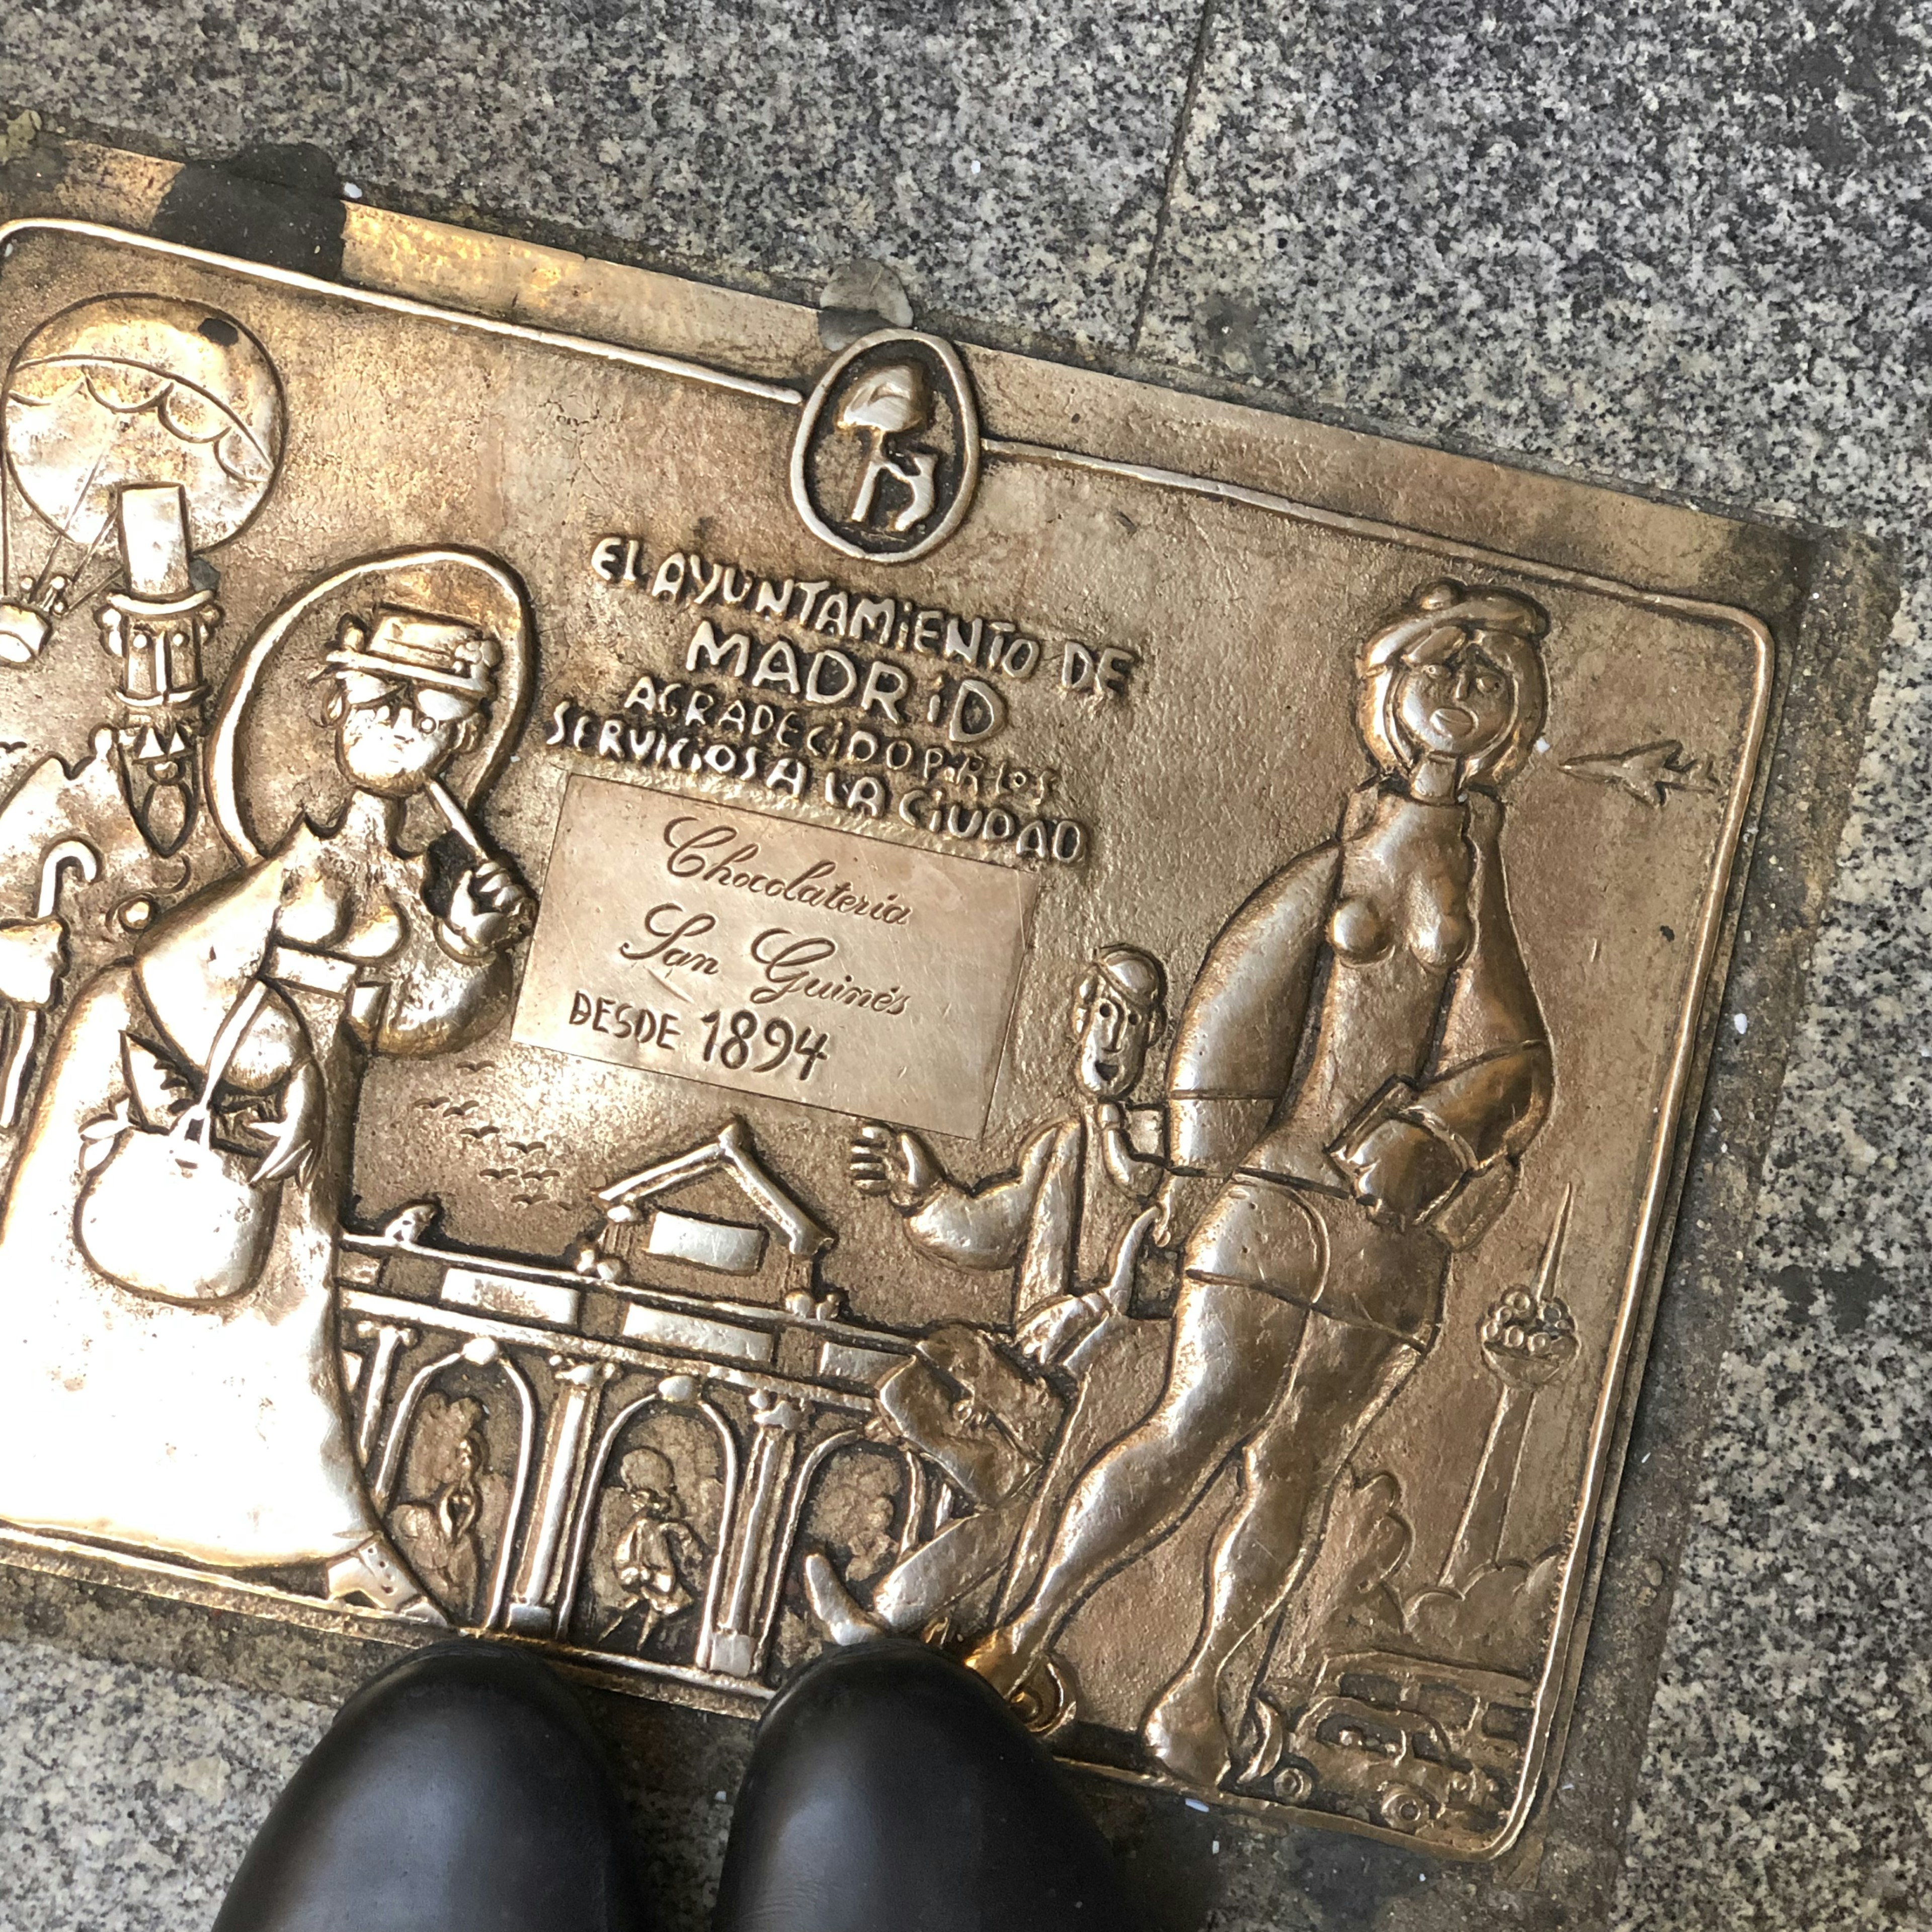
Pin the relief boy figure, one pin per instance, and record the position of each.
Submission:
(1070, 1218)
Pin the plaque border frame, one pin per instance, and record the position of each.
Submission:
(1669, 1149)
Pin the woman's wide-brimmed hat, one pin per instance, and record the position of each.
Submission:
(442, 651)
(453, 621)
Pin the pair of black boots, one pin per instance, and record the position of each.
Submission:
(888, 1790)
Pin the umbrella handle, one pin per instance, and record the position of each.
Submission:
(83, 857)
(19, 1063)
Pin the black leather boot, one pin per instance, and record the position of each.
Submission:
(460, 1790)
(890, 1790)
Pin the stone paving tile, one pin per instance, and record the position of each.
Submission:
(1683, 244)
(127, 1796)
(1690, 247)
(1007, 158)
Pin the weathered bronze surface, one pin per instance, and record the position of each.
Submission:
(689, 1006)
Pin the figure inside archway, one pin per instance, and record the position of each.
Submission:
(658, 1561)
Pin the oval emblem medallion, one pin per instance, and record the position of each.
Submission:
(887, 454)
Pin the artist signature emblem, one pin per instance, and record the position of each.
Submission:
(887, 453)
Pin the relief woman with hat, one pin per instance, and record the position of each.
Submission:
(1359, 1067)
(169, 1376)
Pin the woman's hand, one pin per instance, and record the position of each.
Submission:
(295, 1138)
(1401, 1170)
(488, 910)
(1183, 1199)
(33, 956)
(1054, 1328)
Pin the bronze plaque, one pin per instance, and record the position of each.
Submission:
(694, 1001)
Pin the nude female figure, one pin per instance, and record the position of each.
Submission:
(1359, 1067)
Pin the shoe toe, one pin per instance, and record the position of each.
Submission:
(461, 1791)
(890, 1790)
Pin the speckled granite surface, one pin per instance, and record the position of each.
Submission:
(1015, 152)
(129, 1794)
(1685, 246)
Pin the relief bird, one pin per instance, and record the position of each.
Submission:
(1648, 773)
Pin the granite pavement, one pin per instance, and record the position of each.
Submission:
(1016, 152)
(1686, 246)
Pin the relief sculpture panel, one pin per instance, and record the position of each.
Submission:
(689, 1017)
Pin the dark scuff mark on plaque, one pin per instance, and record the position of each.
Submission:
(28, 161)
(281, 205)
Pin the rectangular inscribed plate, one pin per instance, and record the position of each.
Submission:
(783, 959)
(695, 1008)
